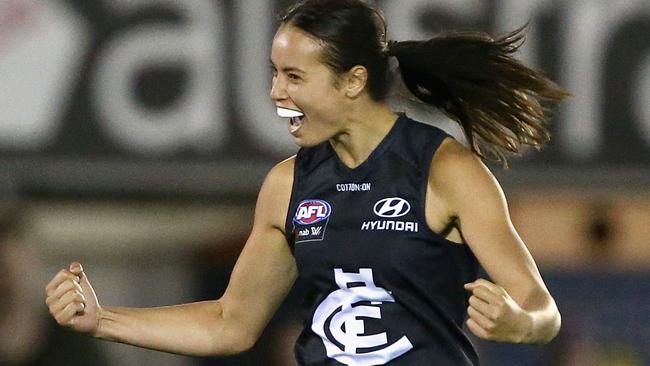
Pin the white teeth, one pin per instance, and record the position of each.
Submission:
(288, 113)
(294, 124)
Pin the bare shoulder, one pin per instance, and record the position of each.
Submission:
(281, 175)
(454, 163)
(273, 200)
(460, 176)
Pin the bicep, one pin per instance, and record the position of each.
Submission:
(473, 195)
(266, 269)
(261, 279)
(486, 226)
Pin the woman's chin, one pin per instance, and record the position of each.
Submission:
(303, 141)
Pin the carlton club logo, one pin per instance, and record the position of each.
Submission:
(311, 219)
(392, 207)
(338, 321)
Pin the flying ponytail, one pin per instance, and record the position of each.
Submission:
(500, 103)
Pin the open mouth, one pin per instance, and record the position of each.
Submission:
(296, 118)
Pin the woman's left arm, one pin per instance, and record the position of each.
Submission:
(517, 307)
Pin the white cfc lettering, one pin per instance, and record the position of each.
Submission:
(344, 337)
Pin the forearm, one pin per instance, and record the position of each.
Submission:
(193, 329)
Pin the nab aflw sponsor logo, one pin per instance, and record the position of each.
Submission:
(311, 219)
(391, 207)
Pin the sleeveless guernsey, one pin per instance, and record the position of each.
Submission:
(381, 287)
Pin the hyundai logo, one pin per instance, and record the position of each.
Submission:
(392, 207)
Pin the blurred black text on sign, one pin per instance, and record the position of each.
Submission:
(163, 85)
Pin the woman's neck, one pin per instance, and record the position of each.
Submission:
(365, 129)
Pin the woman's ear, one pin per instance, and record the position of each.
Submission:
(357, 79)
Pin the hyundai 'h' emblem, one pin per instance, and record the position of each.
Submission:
(392, 207)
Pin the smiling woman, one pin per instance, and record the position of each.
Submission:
(384, 219)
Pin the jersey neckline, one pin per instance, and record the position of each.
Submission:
(376, 153)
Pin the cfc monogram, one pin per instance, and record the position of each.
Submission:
(344, 334)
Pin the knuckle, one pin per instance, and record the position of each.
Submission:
(73, 278)
(63, 298)
(490, 326)
(70, 297)
(500, 304)
(63, 286)
(70, 309)
(52, 307)
(496, 314)
(489, 314)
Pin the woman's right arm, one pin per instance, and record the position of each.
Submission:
(262, 277)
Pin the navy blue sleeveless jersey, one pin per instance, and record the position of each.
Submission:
(381, 287)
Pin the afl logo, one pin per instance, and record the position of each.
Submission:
(392, 207)
(312, 211)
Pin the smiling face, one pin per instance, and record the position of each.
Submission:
(302, 82)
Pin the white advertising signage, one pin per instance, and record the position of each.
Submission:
(176, 83)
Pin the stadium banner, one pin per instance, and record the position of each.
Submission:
(173, 96)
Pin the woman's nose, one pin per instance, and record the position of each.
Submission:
(278, 90)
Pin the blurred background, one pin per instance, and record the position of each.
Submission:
(134, 136)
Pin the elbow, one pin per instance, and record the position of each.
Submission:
(247, 344)
(230, 336)
(555, 327)
(230, 345)
(241, 344)
(552, 326)
(544, 317)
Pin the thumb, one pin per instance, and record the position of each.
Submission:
(76, 268)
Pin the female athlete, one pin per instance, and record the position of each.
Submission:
(385, 220)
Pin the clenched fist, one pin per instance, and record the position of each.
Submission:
(72, 300)
(494, 315)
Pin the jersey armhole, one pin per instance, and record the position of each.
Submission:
(428, 156)
(288, 221)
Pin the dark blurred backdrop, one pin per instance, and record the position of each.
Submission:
(134, 136)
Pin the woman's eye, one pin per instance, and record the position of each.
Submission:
(294, 77)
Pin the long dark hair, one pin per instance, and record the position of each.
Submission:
(473, 78)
